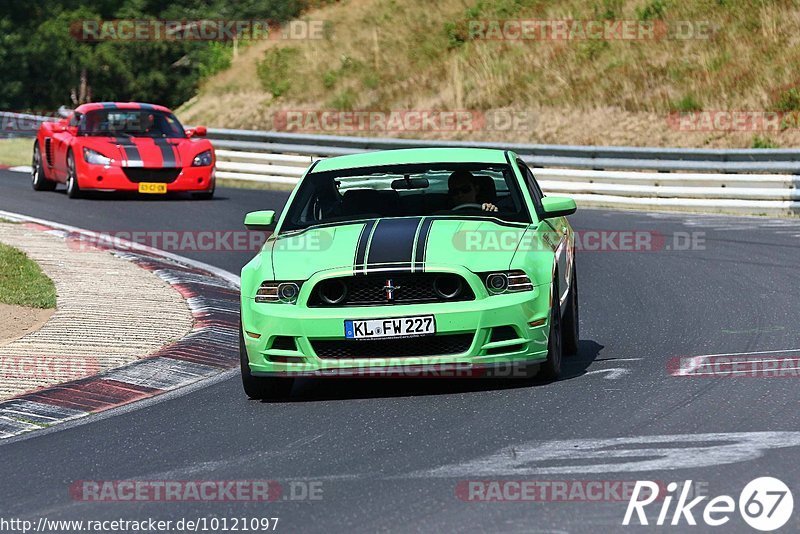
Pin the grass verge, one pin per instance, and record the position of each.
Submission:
(22, 282)
(15, 152)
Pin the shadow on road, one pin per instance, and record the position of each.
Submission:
(326, 389)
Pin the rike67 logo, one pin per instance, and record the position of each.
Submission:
(766, 504)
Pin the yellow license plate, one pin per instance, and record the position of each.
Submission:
(153, 189)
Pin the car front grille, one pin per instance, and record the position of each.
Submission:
(439, 345)
(409, 288)
(143, 174)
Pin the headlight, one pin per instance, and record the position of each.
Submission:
(279, 292)
(95, 158)
(501, 282)
(203, 159)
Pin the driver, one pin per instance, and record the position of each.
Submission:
(463, 189)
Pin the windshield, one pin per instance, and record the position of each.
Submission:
(455, 190)
(130, 122)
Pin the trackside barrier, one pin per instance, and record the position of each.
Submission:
(282, 158)
(741, 181)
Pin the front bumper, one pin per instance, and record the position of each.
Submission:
(111, 178)
(262, 323)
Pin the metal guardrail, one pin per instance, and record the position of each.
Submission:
(772, 194)
(781, 161)
(20, 124)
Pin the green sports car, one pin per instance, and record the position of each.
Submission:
(419, 262)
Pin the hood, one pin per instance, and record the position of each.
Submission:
(409, 242)
(148, 151)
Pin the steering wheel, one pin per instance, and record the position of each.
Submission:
(467, 206)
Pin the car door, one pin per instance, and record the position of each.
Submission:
(62, 139)
(554, 232)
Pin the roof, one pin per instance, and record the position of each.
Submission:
(412, 156)
(83, 108)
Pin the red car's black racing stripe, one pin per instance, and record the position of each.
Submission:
(167, 152)
(134, 159)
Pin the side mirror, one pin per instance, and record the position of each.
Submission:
(259, 220)
(197, 131)
(558, 207)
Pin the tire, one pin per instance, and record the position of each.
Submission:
(257, 387)
(571, 324)
(551, 368)
(38, 179)
(73, 189)
(206, 195)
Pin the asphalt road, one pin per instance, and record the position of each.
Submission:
(390, 455)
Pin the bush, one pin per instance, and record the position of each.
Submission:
(687, 103)
(789, 100)
(275, 68)
(763, 142)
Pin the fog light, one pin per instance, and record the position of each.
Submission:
(278, 292)
(288, 292)
(496, 282)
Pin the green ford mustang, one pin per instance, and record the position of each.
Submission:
(420, 262)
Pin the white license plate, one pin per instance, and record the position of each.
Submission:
(421, 325)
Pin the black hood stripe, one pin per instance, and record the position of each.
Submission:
(359, 263)
(422, 244)
(167, 152)
(393, 241)
(134, 159)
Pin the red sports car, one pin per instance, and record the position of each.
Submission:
(123, 146)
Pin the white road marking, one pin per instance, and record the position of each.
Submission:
(37, 412)
(620, 455)
(11, 427)
(614, 373)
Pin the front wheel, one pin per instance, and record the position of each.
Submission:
(571, 317)
(73, 189)
(206, 195)
(38, 179)
(258, 387)
(551, 368)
